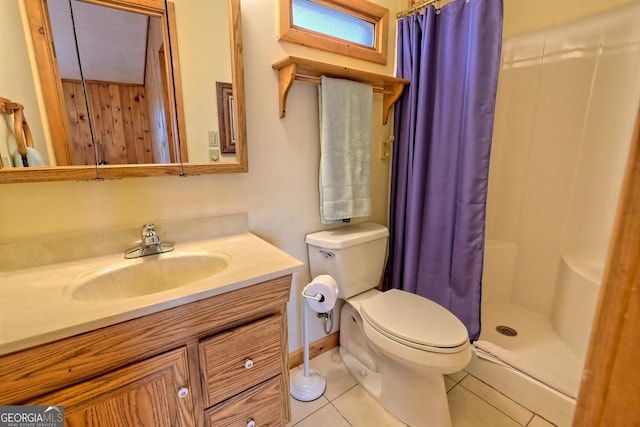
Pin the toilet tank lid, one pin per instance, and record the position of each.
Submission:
(349, 235)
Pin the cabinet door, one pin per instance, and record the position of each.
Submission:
(149, 393)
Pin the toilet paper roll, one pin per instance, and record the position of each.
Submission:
(327, 287)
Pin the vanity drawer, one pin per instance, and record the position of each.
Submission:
(262, 404)
(240, 358)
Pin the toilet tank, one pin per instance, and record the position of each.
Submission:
(353, 255)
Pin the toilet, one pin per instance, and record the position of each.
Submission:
(396, 344)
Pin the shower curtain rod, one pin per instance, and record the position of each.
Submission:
(419, 7)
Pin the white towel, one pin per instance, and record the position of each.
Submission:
(33, 158)
(345, 149)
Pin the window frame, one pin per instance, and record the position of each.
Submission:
(363, 9)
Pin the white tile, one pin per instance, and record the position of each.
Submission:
(300, 410)
(471, 402)
(457, 376)
(361, 410)
(326, 416)
(468, 410)
(329, 364)
(539, 422)
(449, 383)
(497, 399)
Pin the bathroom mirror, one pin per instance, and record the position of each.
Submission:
(211, 36)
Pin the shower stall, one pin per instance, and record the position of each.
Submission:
(566, 107)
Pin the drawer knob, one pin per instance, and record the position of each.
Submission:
(182, 392)
(251, 423)
(248, 364)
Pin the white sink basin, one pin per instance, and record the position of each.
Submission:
(148, 275)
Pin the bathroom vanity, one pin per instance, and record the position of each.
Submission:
(213, 353)
(212, 362)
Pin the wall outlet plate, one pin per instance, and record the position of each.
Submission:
(214, 154)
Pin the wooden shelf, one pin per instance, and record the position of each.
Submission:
(294, 68)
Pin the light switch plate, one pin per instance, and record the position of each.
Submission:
(214, 138)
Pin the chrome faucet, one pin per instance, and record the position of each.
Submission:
(150, 244)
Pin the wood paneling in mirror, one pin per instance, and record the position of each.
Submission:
(146, 128)
(55, 97)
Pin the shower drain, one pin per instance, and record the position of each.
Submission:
(505, 330)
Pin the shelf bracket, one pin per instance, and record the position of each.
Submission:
(286, 76)
(293, 68)
(390, 98)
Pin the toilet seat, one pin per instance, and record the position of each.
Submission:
(415, 321)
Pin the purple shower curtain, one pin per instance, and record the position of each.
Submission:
(443, 128)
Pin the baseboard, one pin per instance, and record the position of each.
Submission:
(315, 348)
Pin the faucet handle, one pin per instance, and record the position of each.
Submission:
(150, 244)
(148, 230)
(149, 235)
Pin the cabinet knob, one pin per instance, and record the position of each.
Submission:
(182, 392)
(248, 364)
(251, 423)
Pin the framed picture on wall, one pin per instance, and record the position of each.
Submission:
(226, 117)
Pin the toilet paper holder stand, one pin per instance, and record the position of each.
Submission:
(327, 318)
(317, 297)
(307, 384)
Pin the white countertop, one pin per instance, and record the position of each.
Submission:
(36, 306)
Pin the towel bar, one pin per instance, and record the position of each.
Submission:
(384, 148)
(306, 70)
(317, 80)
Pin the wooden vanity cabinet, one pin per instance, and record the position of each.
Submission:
(153, 392)
(220, 361)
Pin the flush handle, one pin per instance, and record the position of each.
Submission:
(327, 254)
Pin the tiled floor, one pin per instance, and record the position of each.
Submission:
(346, 404)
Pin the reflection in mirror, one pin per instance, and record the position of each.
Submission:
(80, 146)
(123, 73)
(111, 69)
(196, 73)
(16, 85)
(226, 118)
(202, 36)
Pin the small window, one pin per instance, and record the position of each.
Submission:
(323, 19)
(356, 28)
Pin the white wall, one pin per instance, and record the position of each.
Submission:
(566, 107)
(522, 16)
(279, 192)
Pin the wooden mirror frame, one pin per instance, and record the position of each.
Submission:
(78, 173)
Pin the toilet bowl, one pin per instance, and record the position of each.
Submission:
(396, 344)
(403, 372)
